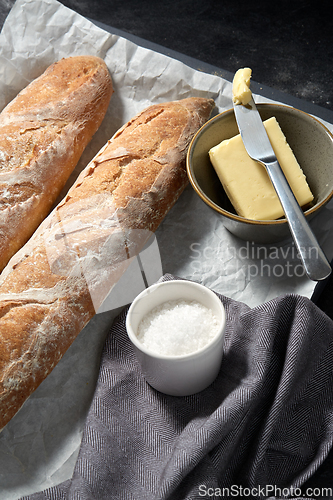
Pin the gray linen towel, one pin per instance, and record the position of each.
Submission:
(260, 430)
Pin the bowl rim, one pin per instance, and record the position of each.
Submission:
(181, 357)
(228, 214)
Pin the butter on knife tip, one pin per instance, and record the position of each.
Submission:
(241, 86)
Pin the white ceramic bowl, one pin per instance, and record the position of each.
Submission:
(180, 375)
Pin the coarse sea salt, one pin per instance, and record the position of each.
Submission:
(177, 327)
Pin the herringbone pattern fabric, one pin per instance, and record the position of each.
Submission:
(266, 420)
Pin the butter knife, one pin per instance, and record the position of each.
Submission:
(259, 148)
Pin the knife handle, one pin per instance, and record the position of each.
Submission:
(314, 260)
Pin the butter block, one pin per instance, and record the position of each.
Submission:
(241, 86)
(246, 181)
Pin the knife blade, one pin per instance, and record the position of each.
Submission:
(259, 148)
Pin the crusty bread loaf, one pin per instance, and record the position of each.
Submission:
(56, 282)
(43, 133)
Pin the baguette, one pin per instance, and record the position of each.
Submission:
(43, 133)
(54, 285)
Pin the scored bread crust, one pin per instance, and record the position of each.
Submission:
(54, 285)
(43, 133)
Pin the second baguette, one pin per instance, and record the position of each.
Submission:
(54, 285)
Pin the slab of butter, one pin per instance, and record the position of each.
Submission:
(246, 181)
(241, 86)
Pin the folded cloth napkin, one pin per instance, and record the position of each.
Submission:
(260, 430)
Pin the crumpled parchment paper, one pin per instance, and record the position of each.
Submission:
(38, 448)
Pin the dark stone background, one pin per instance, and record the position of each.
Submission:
(288, 45)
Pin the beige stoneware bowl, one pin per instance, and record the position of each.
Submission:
(312, 144)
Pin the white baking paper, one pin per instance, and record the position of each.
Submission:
(38, 448)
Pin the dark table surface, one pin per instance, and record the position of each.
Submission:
(288, 45)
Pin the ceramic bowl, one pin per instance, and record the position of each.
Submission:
(184, 374)
(312, 144)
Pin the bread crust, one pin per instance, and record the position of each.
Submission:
(53, 286)
(43, 133)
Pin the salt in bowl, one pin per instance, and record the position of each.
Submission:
(182, 372)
